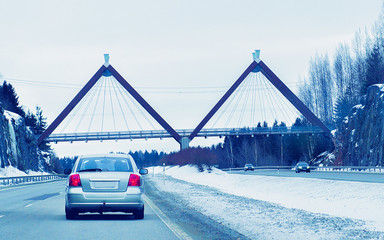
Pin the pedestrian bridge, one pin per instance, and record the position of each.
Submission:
(107, 85)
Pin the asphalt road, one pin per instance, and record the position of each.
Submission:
(37, 212)
(344, 176)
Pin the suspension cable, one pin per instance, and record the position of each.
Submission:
(141, 110)
(97, 100)
(253, 102)
(110, 97)
(226, 106)
(92, 94)
(236, 104)
(271, 99)
(118, 100)
(129, 108)
(74, 112)
(102, 118)
(261, 96)
(247, 92)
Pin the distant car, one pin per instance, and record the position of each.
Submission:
(104, 183)
(248, 167)
(302, 166)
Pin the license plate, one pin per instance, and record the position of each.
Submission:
(104, 185)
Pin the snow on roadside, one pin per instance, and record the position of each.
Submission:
(10, 171)
(356, 200)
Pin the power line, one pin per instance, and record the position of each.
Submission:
(159, 90)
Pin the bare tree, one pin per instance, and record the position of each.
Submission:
(322, 85)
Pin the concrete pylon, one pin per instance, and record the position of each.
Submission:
(184, 143)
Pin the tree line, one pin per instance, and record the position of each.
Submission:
(330, 90)
(334, 85)
(9, 100)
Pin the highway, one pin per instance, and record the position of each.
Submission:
(36, 211)
(344, 176)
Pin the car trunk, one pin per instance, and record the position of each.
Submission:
(104, 181)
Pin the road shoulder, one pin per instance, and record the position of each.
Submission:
(195, 224)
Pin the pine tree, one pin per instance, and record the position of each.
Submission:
(342, 109)
(9, 99)
(31, 121)
(41, 125)
(375, 69)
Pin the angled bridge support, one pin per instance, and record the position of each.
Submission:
(107, 70)
(259, 66)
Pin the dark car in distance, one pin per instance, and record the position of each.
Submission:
(302, 167)
(248, 167)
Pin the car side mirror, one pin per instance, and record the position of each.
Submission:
(143, 171)
(67, 171)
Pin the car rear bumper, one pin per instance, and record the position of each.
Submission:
(80, 201)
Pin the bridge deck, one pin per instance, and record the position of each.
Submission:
(220, 132)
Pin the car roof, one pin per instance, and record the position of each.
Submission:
(114, 155)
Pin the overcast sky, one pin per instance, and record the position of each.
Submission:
(174, 45)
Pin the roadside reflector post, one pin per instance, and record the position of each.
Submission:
(163, 173)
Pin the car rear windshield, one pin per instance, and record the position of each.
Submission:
(302, 164)
(104, 164)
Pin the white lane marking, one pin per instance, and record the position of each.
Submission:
(6, 188)
(9, 188)
(168, 222)
(1, 216)
(28, 205)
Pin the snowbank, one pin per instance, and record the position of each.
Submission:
(356, 200)
(11, 171)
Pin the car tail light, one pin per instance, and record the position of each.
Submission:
(74, 180)
(134, 180)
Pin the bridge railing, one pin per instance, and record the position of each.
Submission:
(206, 132)
(29, 179)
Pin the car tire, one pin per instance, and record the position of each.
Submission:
(70, 214)
(139, 214)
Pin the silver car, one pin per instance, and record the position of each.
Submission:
(105, 183)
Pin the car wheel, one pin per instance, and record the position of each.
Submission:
(308, 171)
(139, 214)
(70, 214)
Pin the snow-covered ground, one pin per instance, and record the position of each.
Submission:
(267, 207)
(11, 171)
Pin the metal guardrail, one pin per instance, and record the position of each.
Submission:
(323, 169)
(29, 179)
(259, 168)
(351, 169)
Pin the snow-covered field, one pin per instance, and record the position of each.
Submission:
(267, 207)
